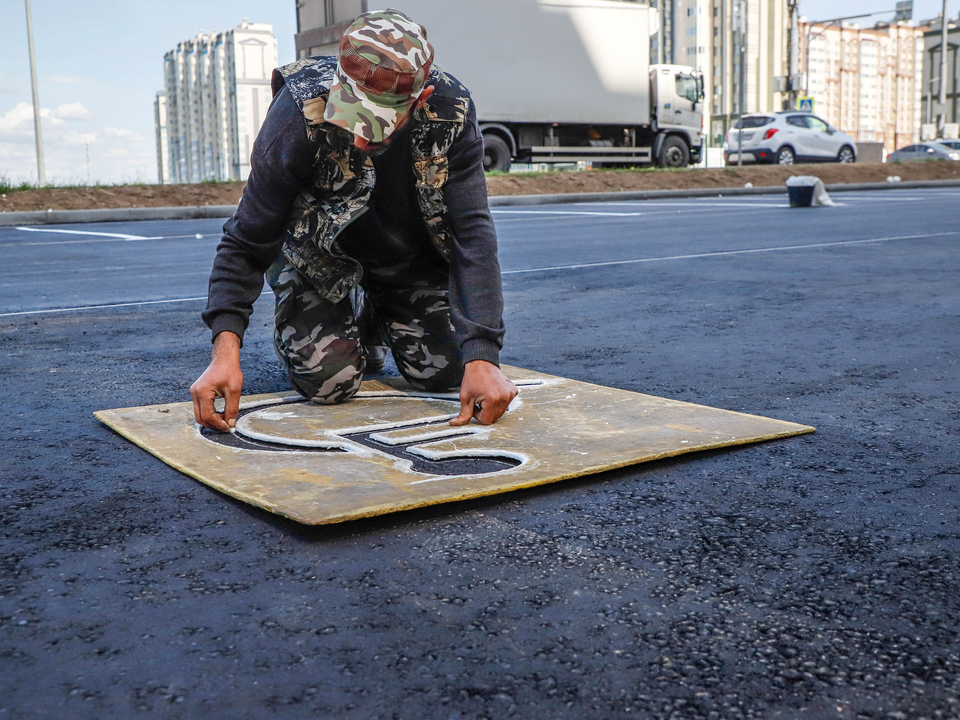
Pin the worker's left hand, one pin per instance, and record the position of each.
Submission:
(484, 385)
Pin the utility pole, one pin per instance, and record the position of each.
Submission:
(41, 176)
(793, 54)
(942, 116)
(741, 23)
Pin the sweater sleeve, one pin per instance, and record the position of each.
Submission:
(476, 295)
(280, 165)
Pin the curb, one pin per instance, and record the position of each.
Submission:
(52, 217)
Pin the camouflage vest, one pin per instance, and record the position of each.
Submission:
(344, 178)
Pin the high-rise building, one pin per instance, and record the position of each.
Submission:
(704, 34)
(866, 81)
(216, 95)
(932, 66)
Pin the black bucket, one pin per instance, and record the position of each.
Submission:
(800, 195)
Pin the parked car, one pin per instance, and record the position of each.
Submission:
(952, 144)
(924, 151)
(788, 137)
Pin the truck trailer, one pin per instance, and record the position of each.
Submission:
(563, 81)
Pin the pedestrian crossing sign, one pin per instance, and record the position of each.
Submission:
(805, 104)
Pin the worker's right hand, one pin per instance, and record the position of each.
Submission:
(222, 378)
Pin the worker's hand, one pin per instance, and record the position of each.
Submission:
(222, 378)
(484, 385)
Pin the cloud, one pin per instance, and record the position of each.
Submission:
(15, 120)
(71, 111)
(70, 135)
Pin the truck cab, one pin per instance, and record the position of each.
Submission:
(676, 93)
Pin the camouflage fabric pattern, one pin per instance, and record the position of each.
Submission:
(432, 135)
(382, 67)
(320, 342)
(344, 178)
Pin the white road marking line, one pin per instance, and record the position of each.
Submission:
(122, 236)
(101, 307)
(627, 214)
(729, 252)
(565, 212)
(767, 201)
(128, 238)
(549, 215)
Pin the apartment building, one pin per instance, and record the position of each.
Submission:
(703, 33)
(866, 81)
(932, 64)
(216, 95)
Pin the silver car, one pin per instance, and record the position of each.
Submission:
(788, 137)
(924, 151)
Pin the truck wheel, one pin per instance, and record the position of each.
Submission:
(674, 153)
(496, 154)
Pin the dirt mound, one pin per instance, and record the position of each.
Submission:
(123, 196)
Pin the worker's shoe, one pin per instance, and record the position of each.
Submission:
(375, 349)
(375, 357)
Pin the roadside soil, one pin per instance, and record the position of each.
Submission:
(122, 196)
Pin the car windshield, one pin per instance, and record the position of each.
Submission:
(753, 122)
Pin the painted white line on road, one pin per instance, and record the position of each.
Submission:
(101, 307)
(723, 253)
(128, 238)
(630, 214)
(86, 232)
(767, 201)
(559, 215)
(565, 212)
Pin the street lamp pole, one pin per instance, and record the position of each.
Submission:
(41, 176)
(742, 28)
(942, 116)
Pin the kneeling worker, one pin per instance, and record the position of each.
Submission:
(366, 209)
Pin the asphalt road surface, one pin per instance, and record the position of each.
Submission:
(814, 577)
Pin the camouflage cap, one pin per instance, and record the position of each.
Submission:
(382, 66)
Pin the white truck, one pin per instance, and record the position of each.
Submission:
(566, 80)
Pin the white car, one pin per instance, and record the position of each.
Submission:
(786, 138)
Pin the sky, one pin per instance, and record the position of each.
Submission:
(99, 68)
(100, 65)
(830, 9)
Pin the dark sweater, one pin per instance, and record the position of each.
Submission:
(282, 164)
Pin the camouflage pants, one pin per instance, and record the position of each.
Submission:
(324, 345)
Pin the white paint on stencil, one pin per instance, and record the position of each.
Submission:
(437, 434)
(271, 401)
(466, 455)
(433, 432)
(268, 415)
